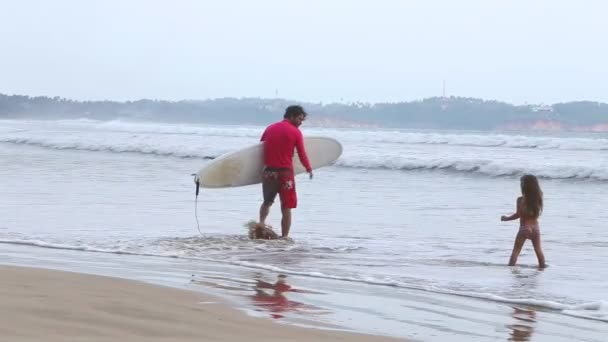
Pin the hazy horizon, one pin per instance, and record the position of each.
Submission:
(518, 52)
(300, 101)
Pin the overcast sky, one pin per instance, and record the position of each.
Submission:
(536, 51)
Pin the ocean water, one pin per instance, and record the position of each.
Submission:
(402, 236)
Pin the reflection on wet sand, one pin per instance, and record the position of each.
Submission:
(525, 318)
(271, 297)
(524, 326)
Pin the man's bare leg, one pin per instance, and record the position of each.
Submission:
(285, 221)
(264, 210)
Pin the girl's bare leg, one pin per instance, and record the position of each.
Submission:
(539, 251)
(519, 243)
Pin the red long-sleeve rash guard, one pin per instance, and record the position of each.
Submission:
(280, 139)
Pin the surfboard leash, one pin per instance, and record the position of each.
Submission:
(196, 206)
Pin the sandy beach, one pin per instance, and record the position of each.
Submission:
(40, 304)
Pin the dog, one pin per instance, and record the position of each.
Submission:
(257, 231)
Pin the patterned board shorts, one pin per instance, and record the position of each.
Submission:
(281, 182)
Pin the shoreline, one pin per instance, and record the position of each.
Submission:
(57, 305)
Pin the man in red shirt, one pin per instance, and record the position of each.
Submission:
(280, 139)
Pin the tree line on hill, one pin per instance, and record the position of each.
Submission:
(434, 112)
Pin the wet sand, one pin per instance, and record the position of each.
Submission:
(49, 305)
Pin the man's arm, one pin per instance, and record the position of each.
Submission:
(302, 152)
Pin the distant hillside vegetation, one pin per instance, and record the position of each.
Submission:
(436, 112)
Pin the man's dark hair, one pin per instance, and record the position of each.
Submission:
(294, 111)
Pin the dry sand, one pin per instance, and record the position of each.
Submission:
(47, 305)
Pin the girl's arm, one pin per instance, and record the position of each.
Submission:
(514, 216)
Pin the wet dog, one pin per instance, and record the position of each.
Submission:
(257, 231)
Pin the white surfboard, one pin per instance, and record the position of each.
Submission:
(245, 166)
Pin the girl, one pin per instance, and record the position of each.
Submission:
(529, 208)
